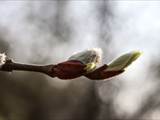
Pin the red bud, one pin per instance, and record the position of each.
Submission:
(101, 73)
(69, 69)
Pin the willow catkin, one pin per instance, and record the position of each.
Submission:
(2, 59)
(93, 55)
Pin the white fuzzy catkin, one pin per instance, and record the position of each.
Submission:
(93, 55)
(2, 59)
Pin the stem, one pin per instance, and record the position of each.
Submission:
(10, 66)
(26, 67)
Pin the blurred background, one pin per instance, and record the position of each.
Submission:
(48, 32)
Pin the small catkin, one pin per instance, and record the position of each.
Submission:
(2, 59)
(88, 56)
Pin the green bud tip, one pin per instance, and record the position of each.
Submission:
(124, 61)
(136, 54)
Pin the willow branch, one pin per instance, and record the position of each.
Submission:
(9, 66)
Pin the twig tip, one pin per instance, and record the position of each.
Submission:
(3, 58)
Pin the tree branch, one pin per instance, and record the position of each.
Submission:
(9, 66)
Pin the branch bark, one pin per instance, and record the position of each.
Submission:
(9, 66)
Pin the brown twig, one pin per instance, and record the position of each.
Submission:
(9, 66)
